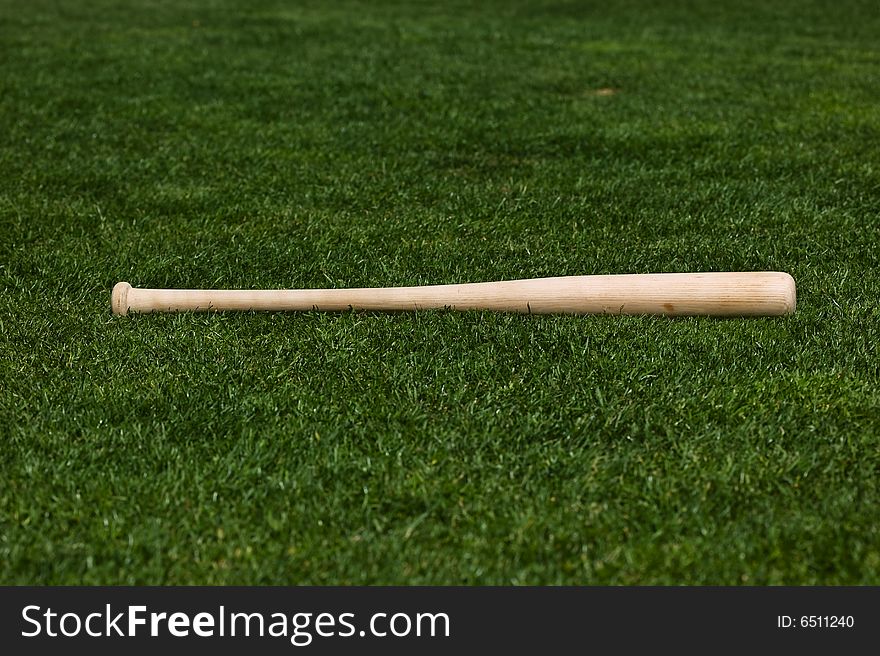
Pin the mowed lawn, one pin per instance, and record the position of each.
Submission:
(313, 144)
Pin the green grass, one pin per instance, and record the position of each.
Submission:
(282, 144)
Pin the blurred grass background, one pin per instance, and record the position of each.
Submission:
(301, 144)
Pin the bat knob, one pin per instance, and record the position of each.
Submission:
(119, 298)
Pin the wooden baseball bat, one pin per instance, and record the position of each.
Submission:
(756, 293)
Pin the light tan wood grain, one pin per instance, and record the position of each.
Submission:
(755, 293)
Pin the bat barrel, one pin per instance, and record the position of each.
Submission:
(757, 293)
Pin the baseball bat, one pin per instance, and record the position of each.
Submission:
(755, 293)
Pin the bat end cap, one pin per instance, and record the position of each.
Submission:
(119, 298)
(788, 290)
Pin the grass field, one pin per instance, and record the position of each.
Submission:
(311, 144)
